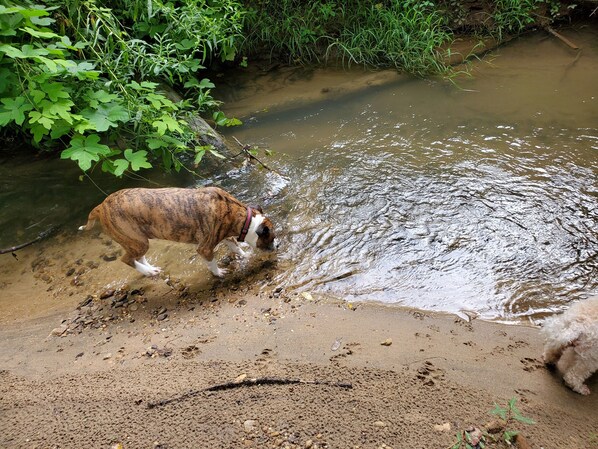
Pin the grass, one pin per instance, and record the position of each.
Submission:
(402, 34)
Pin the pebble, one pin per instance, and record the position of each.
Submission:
(250, 425)
(107, 293)
(379, 424)
(308, 444)
(133, 307)
(446, 427)
(387, 342)
(70, 272)
(58, 331)
(107, 356)
(162, 316)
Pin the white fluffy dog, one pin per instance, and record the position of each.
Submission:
(572, 343)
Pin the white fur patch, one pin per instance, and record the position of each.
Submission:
(216, 271)
(252, 236)
(145, 268)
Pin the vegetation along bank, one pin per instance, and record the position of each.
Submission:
(93, 81)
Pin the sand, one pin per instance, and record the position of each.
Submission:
(94, 355)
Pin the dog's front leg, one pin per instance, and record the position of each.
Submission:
(234, 247)
(208, 255)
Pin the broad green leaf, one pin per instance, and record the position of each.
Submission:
(43, 119)
(60, 129)
(13, 109)
(85, 150)
(217, 154)
(106, 116)
(166, 122)
(10, 10)
(120, 166)
(199, 156)
(42, 34)
(138, 159)
(60, 108)
(100, 96)
(154, 144)
(42, 21)
(11, 52)
(55, 91)
(38, 132)
(50, 64)
(37, 95)
(27, 13)
(29, 51)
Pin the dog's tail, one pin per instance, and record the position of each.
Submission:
(91, 220)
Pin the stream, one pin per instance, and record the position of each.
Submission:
(476, 194)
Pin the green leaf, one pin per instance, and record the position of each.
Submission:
(42, 118)
(166, 122)
(37, 95)
(42, 21)
(55, 91)
(106, 116)
(34, 12)
(120, 166)
(509, 434)
(199, 156)
(29, 51)
(60, 129)
(96, 97)
(42, 34)
(38, 132)
(518, 417)
(11, 52)
(138, 159)
(13, 109)
(217, 154)
(85, 150)
(500, 412)
(60, 108)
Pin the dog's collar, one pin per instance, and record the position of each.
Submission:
(246, 225)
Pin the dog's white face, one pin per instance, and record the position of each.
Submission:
(260, 234)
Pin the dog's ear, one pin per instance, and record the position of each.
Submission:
(258, 208)
(262, 230)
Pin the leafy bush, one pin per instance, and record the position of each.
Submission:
(85, 79)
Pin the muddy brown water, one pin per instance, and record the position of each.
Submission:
(477, 195)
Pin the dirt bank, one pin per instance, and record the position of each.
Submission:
(87, 345)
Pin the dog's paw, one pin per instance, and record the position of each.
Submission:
(584, 389)
(147, 269)
(220, 272)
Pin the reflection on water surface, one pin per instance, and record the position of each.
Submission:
(482, 196)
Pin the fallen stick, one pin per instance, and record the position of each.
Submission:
(562, 38)
(245, 150)
(41, 236)
(249, 383)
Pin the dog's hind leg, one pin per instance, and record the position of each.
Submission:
(135, 255)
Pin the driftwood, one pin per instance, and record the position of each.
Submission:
(41, 236)
(248, 383)
(562, 38)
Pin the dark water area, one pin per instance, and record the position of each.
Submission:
(478, 195)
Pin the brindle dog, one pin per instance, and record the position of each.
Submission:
(203, 216)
